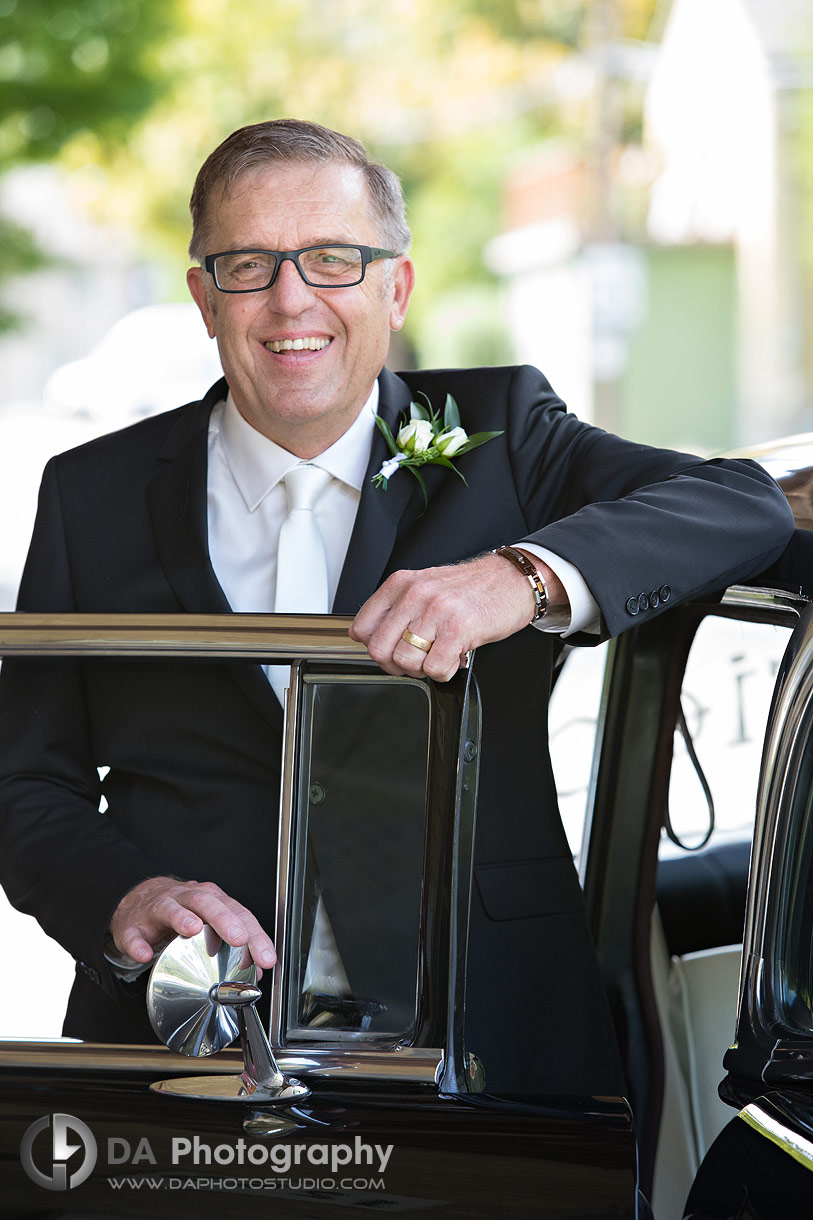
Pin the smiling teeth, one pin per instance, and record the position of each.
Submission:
(297, 345)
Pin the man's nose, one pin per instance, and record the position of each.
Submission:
(289, 293)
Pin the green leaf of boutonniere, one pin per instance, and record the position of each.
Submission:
(384, 428)
(478, 438)
(451, 414)
(418, 411)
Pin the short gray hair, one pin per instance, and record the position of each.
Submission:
(294, 141)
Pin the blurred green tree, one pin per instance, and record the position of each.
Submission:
(66, 67)
(445, 91)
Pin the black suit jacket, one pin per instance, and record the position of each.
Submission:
(194, 751)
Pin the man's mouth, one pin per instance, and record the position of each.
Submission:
(305, 344)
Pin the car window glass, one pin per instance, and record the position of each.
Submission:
(358, 859)
(725, 696)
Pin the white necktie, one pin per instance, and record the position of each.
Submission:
(301, 564)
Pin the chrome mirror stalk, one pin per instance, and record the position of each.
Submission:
(201, 995)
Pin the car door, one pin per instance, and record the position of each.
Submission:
(761, 1165)
(374, 851)
(679, 726)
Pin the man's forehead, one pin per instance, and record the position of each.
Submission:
(297, 190)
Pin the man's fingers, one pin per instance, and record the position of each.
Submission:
(153, 923)
(373, 611)
(157, 909)
(410, 610)
(393, 609)
(132, 942)
(457, 608)
(440, 661)
(233, 922)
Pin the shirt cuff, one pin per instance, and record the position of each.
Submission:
(584, 612)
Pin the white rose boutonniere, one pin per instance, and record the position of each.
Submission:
(415, 437)
(426, 439)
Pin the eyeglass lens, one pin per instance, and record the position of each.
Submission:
(326, 265)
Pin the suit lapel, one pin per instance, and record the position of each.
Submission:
(177, 499)
(379, 512)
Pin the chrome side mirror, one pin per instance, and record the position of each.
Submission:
(201, 995)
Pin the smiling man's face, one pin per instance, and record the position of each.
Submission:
(303, 398)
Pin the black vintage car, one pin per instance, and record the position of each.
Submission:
(388, 1111)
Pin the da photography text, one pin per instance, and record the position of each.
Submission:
(51, 1146)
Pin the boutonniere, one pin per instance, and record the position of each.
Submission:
(424, 439)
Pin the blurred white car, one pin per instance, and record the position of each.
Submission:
(151, 360)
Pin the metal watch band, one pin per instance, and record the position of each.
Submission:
(530, 573)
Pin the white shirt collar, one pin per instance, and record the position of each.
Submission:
(257, 463)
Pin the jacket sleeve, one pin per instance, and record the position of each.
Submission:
(646, 527)
(60, 858)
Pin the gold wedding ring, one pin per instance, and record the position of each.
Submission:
(416, 640)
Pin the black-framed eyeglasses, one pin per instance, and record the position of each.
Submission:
(337, 266)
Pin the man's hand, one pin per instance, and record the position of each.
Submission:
(457, 608)
(162, 907)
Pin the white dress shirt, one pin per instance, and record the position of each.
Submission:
(247, 504)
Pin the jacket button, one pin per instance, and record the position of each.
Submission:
(643, 602)
(92, 973)
(666, 593)
(654, 599)
(632, 606)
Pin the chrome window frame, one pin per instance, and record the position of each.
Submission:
(275, 639)
(283, 1036)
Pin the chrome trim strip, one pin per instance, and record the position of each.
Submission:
(252, 636)
(406, 1064)
(788, 605)
(287, 796)
(768, 1125)
(592, 783)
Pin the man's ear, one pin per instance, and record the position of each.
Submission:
(403, 281)
(195, 278)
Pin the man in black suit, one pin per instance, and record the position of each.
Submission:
(159, 518)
